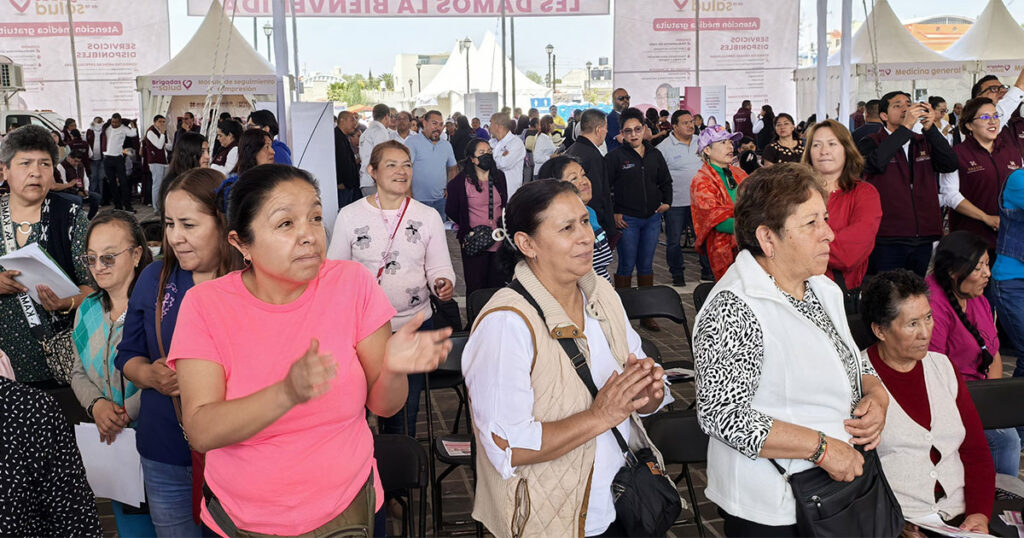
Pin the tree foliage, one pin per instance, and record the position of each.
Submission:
(532, 75)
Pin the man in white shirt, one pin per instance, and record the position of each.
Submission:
(154, 151)
(375, 133)
(509, 151)
(114, 162)
(403, 127)
(680, 151)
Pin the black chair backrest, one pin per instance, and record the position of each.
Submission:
(861, 331)
(652, 302)
(700, 294)
(651, 349)
(453, 363)
(678, 436)
(401, 462)
(475, 304)
(998, 401)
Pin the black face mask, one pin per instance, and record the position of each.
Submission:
(486, 161)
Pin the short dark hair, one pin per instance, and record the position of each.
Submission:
(860, 104)
(264, 118)
(115, 116)
(188, 114)
(745, 103)
(746, 140)
(28, 138)
(381, 111)
(523, 214)
(631, 113)
(555, 166)
(158, 117)
(678, 114)
(432, 113)
(883, 104)
(882, 295)
(251, 190)
(935, 101)
(768, 197)
(976, 89)
(77, 154)
(591, 119)
(127, 221)
(970, 113)
(871, 107)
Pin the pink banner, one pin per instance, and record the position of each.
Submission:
(409, 8)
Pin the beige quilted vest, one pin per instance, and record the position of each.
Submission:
(558, 490)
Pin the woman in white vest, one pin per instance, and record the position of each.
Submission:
(777, 368)
(933, 448)
(545, 452)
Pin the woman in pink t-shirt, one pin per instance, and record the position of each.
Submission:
(277, 362)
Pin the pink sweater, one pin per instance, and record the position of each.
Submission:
(418, 255)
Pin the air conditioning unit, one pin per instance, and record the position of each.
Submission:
(12, 79)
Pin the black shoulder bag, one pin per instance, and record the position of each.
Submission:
(646, 500)
(864, 507)
(479, 239)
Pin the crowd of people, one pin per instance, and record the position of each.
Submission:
(907, 215)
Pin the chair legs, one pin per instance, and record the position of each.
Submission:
(693, 501)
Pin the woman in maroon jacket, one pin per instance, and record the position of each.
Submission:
(988, 155)
(854, 208)
(479, 184)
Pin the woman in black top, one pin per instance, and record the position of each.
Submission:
(642, 191)
(463, 134)
(786, 148)
(764, 128)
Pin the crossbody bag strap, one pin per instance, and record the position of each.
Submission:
(35, 322)
(579, 363)
(490, 200)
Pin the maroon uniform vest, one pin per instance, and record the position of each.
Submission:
(982, 176)
(909, 192)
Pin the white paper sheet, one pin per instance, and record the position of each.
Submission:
(114, 471)
(934, 523)
(38, 268)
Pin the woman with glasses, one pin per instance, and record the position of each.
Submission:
(1007, 98)
(713, 198)
(116, 254)
(988, 155)
(641, 191)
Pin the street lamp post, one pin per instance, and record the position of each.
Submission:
(587, 85)
(268, 29)
(551, 77)
(464, 47)
(554, 58)
(419, 81)
(410, 87)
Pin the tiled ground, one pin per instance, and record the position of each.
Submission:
(457, 488)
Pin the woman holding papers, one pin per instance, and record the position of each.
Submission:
(31, 214)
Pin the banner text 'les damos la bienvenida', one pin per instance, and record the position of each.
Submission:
(410, 8)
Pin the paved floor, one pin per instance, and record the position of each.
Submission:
(671, 341)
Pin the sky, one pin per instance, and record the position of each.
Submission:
(358, 45)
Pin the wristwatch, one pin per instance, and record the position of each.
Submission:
(88, 410)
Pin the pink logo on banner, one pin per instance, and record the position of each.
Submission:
(21, 7)
(187, 84)
(681, 4)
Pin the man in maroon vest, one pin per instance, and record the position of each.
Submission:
(154, 154)
(904, 167)
(741, 122)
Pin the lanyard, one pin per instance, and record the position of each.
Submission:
(7, 223)
(391, 241)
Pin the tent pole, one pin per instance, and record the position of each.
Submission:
(504, 78)
(255, 38)
(296, 85)
(696, 43)
(281, 68)
(822, 60)
(845, 54)
(512, 31)
(74, 65)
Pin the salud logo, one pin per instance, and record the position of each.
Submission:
(20, 6)
(186, 83)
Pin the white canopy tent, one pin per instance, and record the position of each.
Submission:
(448, 88)
(216, 60)
(994, 43)
(884, 57)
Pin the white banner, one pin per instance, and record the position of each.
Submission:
(115, 40)
(750, 47)
(916, 71)
(246, 85)
(409, 8)
(1008, 68)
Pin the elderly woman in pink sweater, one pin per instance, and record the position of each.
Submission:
(402, 243)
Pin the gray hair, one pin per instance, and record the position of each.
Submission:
(27, 138)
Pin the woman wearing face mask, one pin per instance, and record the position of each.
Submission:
(987, 155)
(477, 196)
(195, 250)
(415, 264)
(786, 148)
(713, 197)
(228, 134)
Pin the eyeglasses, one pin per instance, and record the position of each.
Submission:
(631, 132)
(107, 260)
(989, 117)
(622, 98)
(995, 89)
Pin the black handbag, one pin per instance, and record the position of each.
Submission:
(479, 238)
(851, 298)
(646, 500)
(864, 507)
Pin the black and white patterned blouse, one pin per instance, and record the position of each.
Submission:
(43, 489)
(729, 353)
